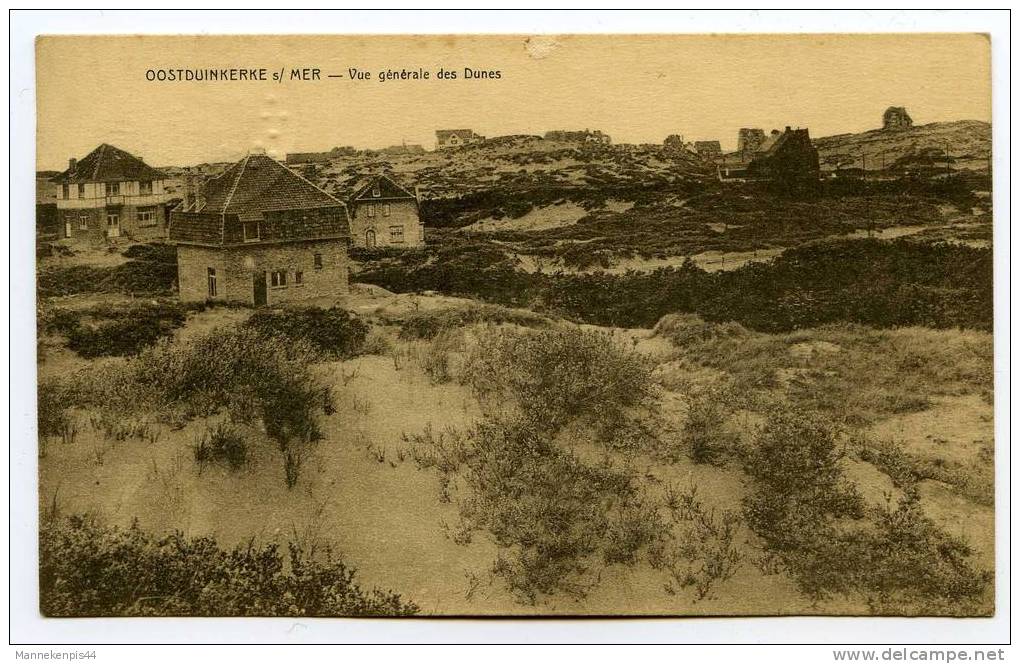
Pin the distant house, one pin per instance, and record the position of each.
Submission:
(320, 157)
(47, 219)
(789, 156)
(260, 234)
(452, 138)
(783, 155)
(750, 140)
(708, 149)
(896, 117)
(111, 193)
(385, 214)
(583, 136)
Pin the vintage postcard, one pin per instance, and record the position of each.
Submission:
(476, 325)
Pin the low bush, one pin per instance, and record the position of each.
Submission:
(706, 430)
(223, 444)
(121, 329)
(151, 271)
(91, 570)
(555, 376)
(335, 332)
(557, 516)
(806, 511)
(428, 324)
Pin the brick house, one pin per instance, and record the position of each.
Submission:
(452, 138)
(260, 234)
(385, 214)
(111, 193)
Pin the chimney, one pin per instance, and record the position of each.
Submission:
(787, 127)
(72, 163)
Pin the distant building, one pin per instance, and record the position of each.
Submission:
(320, 157)
(790, 156)
(260, 234)
(708, 149)
(110, 193)
(385, 214)
(583, 136)
(784, 155)
(750, 140)
(402, 149)
(452, 138)
(896, 117)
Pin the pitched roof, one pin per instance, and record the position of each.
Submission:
(388, 188)
(109, 164)
(462, 133)
(707, 145)
(258, 184)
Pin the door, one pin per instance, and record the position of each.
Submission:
(370, 239)
(112, 224)
(67, 228)
(259, 288)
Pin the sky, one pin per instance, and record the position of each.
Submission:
(638, 89)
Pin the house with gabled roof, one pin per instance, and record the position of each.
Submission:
(260, 234)
(385, 213)
(452, 138)
(111, 193)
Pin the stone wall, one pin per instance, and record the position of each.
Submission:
(236, 269)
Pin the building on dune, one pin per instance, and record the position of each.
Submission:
(111, 193)
(260, 234)
(320, 157)
(385, 213)
(582, 136)
(454, 138)
(707, 149)
(783, 155)
(896, 117)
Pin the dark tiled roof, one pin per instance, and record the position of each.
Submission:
(110, 164)
(388, 188)
(258, 184)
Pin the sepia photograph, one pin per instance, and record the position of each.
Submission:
(576, 325)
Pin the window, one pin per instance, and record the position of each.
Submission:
(81, 191)
(112, 188)
(251, 231)
(278, 278)
(147, 216)
(375, 192)
(83, 222)
(396, 234)
(386, 209)
(112, 220)
(299, 278)
(145, 188)
(211, 276)
(318, 261)
(371, 210)
(65, 191)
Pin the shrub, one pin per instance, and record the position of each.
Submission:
(799, 487)
(428, 324)
(555, 376)
(557, 515)
(151, 271)
(222, 444)
(121, 330)
(336, 332)
(706, 429)
(87, 569)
